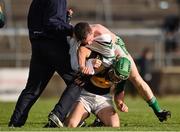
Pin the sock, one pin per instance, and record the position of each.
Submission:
(154, 105)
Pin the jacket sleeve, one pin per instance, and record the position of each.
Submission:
(55, 18)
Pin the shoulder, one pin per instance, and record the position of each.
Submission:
(84, 50)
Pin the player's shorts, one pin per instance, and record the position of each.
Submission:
(93, 102)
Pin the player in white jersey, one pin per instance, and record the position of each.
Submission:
(87, 34)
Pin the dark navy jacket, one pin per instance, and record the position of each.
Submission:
(47, 18)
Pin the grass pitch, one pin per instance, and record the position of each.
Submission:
(139, 118)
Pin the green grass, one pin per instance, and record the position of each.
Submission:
(139, 118)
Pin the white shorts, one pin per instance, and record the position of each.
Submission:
(93, 102)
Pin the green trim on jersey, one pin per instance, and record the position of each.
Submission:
(109, 57)
(104, 46)
(120, 42)
(109, 45)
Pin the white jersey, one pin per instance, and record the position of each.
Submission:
(103, 45)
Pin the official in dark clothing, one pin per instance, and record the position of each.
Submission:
(48, 31)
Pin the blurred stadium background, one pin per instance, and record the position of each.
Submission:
(143, 24)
